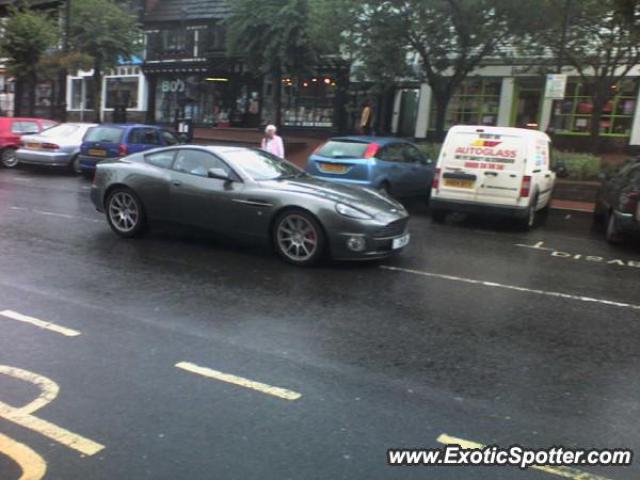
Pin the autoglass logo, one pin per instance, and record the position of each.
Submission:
(487, 148)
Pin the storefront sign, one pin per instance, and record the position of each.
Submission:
(555, 86)
(173, 86)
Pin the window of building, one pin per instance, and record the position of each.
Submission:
(81, 93)
(173, 43)
(122, 92)
(475, 102)
(309, 101)
(572, 115)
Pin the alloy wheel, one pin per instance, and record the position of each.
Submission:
(9, 158)
(124, 212)
(297, 238)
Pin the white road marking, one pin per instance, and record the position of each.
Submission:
(68, 332)
(535, 246)
(54, 214)
(547, 293)
(243, 382)
(580, 256)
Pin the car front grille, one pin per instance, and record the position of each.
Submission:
(393, 229)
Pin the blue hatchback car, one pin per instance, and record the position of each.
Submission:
(109, 141)
(388, 164)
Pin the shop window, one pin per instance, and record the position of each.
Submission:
(475, 102)
(572, 115)
(308, 102)
(81, 93)
(76, 94)
(213, 39)
(122, 92)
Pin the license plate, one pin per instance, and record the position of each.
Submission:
(333, 168)
(94, 152)
(33, 146)
(400, 242)
(457, 183)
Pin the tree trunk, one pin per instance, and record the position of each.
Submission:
(17, 97)
(598, 101)
(33, 84)
(277, 96)
(442, 103)
(97, 91)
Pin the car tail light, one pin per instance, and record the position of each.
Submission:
(371, 150)
(50, 146)
(122, 150)
(525, 188)
(629, 201)
(436, 180)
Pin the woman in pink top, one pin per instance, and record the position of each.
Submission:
(271, 142)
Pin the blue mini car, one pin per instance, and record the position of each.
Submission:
(109, 141)
(392, 165)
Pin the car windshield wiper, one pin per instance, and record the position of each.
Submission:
(291, 175)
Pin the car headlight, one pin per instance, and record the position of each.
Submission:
(351, 212)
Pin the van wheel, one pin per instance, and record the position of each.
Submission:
(439, 216)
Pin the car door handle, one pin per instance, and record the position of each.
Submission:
(548, 175)
(495, 174)
(176, 183)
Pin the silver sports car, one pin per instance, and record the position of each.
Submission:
(249, 194)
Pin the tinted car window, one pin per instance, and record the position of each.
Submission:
(21, 127)
(144, 136)
(392, 153)
(343, 149)
(197, 162)
(104, 134)
(48, 124)
(169, 138)
(412, 154)
(161, 159)
(260, 165)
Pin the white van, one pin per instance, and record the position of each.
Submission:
(493, 170)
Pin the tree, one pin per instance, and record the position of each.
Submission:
(601, 44)
(108, 33)
(450, 37)
(273, 39)
(27, 36)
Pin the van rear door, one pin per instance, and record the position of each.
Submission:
(483, 167)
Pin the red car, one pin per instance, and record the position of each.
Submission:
(11, 129)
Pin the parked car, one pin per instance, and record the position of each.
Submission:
(108, 141)
(393, 165)
(11, 131)
(493, 170)
(249, 194)
(57, 146)
(618, 202)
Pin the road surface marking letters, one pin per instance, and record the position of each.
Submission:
(579, 256)
(23, 415)
(32, 465)
(513, 287)
(564, 472)
(243, 382)
(69, 332)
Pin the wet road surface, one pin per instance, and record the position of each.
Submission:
(477, 330)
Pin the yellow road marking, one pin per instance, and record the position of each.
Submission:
(243, 382)
(32, 465)
(23, 415)
(69, 332)
(564, 472)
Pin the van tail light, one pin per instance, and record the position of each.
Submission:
(49, 146)
(525, 188)
(435, 184)
(371, 150)
(318, 148)
(122, 150)
(629, 201)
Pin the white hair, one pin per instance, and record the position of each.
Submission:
(270, 128)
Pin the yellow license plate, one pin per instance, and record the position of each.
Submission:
(333, 168)
(33, 146)
(456, 183)
(97, 153)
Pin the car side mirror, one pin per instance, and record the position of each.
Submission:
(219, 174)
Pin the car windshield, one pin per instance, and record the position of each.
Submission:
(343, 149)
(63, 130)
(104, 134)
(260, 165)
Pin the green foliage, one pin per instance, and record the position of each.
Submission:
(103, 30)
(26, 38)
(272, 37)
(579, 166)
